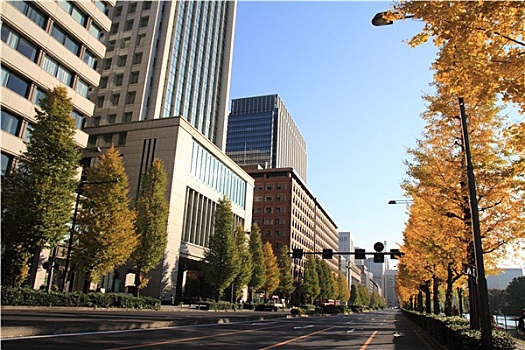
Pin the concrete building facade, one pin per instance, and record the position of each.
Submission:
(163, 94)
(288, 213)
(262, 132)
(47, 44)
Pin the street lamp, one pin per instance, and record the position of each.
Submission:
(401, 201)
(482, 291)
(79, 191)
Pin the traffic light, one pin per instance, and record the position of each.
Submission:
(297, 253)
(379, 258)
(360, 254)
(328, 253)
(395, 254)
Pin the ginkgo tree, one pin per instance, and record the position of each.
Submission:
(481, 45)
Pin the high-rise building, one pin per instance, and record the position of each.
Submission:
(390, 288)
(47, 44)
(503, 278)
(167, 59)
(163, 94)
(378, 269)
(262, 132)
(289, 214)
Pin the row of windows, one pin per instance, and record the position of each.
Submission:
(122, 60)
(79, 16)
(17, 42)
(269, 210)
(30, 50)
(125, 42)
(132, 8)
(112, 119)
(118, 80)
(23, 87)
(114, 99)
(107, 140)
(215, 174)
(269, 187)
(279, 198)
(199, 215)
(128, 25)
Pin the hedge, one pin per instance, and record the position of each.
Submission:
(31, 297)
(455, 332)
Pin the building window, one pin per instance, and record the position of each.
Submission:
(114, 28)
(103, 82)
(280, 198)
(100, 101)
(65, 39)
(115, 99)
(130, 97)
(124, 44)
(108, 140)
(95, 30)
(118, 79)
(257, 198)
(79, 119)
(17, 42)
(268, 210)
(38, 94)
(28, 131)
(10, 123)
(126, 118)
(112, 118)
(129, 25)
(82, 88)
(7, 160)
(89, 59)
(14, 82)
(269, 187)
(52, 67)
(141, 39)
(121, 61)
(72, 10)
(111, 45)
(121, 139)
(31, 11)
(107, 63)
(137, 59)
(102, 6)
(281, 186)
(147, 5)
(144, 22)
(268, 221)
(96, 121)
(118, 11)
(134, 78)
(268, 198)
(132, 7)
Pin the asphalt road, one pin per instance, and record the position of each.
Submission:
(386, 330)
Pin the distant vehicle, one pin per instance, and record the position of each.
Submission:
(274, 304)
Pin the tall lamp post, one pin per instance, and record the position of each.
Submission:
(73, 225)
(481, 290)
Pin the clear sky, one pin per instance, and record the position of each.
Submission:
(354, 91)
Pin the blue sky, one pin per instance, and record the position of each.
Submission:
(354, 91)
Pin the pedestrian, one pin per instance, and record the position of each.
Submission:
(521, 322)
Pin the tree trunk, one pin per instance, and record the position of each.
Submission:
(34, 267)
(138, 282)
(87, 283)
(449, 291)
(435, 287)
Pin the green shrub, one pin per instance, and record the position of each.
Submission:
(455, 332)
(31, 297)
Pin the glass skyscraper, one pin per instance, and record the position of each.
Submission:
(167, 59)
(262, 132)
